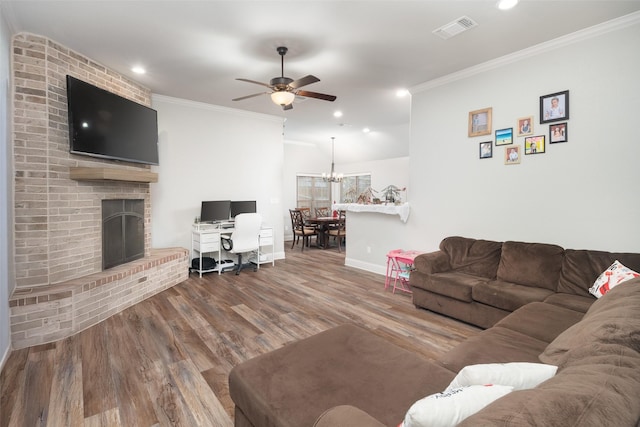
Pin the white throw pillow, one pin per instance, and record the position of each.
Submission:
(450, 408)
(611, 277)
(519, 375)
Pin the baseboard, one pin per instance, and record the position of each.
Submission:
(372, 268)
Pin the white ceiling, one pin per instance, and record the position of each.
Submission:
(363, 51)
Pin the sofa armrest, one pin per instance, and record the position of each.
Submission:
(347, 416)
(432, 262)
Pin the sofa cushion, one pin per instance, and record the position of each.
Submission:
(472, 256)
(571, 301)
(495, 345)
(507, 296)
(580, 268)
(541, 320)
(531, 264)
(599, 387)
(452, 284)
(613, 319)
(345, 365)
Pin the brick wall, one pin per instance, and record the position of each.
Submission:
(58, 220)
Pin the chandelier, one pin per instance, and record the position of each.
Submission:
(333, 176)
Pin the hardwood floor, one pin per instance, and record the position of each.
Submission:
(166, 360)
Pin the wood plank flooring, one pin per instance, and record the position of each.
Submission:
(165, 361)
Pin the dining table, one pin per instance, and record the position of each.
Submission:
(323, 224)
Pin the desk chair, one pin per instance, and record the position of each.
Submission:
(244, 238)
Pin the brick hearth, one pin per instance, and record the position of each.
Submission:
(48, 313)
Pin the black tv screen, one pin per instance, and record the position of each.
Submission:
(215, 211)
(248, 206)
(103, 124)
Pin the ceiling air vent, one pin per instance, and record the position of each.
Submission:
(454, 28)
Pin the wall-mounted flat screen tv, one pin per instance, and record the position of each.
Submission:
(238, 207)
(215, 211)
(103, 124)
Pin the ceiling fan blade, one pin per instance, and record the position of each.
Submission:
(307, 80)
(316, 95)
(255, 82)
(250, 96)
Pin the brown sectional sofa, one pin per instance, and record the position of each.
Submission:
(482, 281)
(348, 376)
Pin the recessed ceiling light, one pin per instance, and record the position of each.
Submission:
(337, 114)
(401, 93)
(138, 70)
(366, 130)
(507, 4)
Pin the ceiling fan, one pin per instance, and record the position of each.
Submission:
(285, 89)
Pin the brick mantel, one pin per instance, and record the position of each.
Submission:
(58, 219)
(60, 286)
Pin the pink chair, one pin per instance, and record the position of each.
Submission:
(399, 266)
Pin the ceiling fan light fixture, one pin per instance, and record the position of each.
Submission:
(283, 97)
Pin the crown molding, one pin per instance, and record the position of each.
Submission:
(560, 42)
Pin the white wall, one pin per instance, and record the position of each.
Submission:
(579, 194)
(212, 153)
(6, 212)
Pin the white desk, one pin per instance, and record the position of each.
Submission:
(205, 238)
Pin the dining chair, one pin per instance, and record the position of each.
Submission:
(324, 211)
(300, 229)
(339, 231)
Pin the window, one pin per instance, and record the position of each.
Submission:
(352, 186)
(313, 192)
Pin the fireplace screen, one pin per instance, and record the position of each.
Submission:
(122, 231)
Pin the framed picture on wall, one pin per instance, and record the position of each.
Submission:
(525, 126)
(558, 133)
(554, 107)
(480, 122)
(504, 136)
(486, 150)
(512, 155)
(534, 144)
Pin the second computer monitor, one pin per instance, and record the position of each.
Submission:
(247, 206)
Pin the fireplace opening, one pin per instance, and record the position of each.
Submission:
(122, 231)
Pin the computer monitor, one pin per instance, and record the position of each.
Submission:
(247, 206)
(215, 211)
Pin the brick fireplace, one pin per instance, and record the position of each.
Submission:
(58, 218)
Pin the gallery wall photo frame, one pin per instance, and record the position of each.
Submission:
(558, 132)
(480, 122)
(554, 107)
(486, 150)
(534, 145)
(512, 155)
(504, 136)
(525, 126)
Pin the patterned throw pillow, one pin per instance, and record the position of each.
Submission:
(611, 277)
